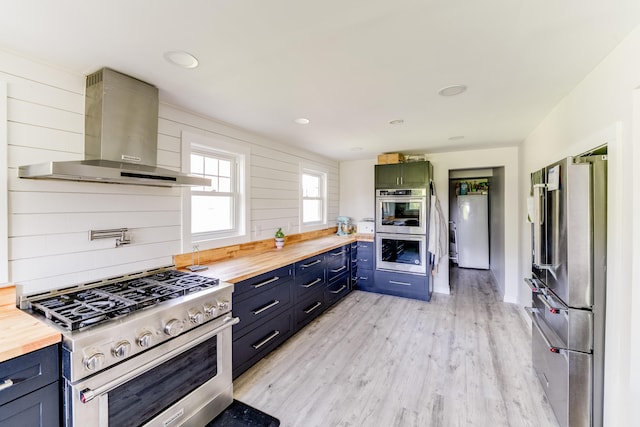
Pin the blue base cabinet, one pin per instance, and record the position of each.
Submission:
(34, 397)
(263, 304)
(402, 285)
(275, 305)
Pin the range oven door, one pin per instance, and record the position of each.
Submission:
(401, 252)
(406, 214)
(185, 381)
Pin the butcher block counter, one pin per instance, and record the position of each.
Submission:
(21, 332)
(234, 270)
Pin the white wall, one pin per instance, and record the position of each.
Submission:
(602, 109)
(357, 189)
(49, 221)
(497, 212)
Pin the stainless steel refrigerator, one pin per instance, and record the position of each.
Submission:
(568, 285)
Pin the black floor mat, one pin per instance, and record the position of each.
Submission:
(239, 414)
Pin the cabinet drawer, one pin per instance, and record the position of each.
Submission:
(262, 282)
(262, 305)
(309, 309)
(38, 408)
(336, 290)
(309, 265)
(365, 255)
(306, 284)
(254, 345)
(29, 372)
(407, 285)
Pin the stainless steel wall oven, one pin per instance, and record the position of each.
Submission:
(401, 211)
(404, 253)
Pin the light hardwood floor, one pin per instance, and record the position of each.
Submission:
(375, 360)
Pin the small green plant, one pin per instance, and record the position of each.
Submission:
(279, 234)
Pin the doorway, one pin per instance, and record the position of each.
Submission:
(476, 222)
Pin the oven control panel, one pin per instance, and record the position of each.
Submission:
(90, 350)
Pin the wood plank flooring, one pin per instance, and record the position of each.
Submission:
(376, 360)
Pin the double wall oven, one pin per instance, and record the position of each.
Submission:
(149, 349)
(401, 230)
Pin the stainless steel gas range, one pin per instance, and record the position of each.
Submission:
(151, 348)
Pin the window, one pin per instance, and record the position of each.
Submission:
(212, 208)
(313, 197)
(216, 215)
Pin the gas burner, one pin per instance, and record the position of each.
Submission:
(79, 308)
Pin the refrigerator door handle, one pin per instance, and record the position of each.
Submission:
(535, 285)
(538, 222)
(551, 308)
(547, 341)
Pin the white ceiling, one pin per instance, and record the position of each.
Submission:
(350, 66)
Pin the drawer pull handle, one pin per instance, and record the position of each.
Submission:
(6, 384)
(338, 253)
(311, 264)
(266, 307)
(266, 340)
(399, 283)
(266, 282)
(337, 270)
(339, 290)
(308, 285)
(310, 309)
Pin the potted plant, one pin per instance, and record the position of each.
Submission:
(279, 238)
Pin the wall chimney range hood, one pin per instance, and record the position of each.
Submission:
(121, 137)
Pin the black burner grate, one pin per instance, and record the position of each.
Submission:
(85, 307)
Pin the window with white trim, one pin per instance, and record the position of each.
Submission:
(213, 208)
(215, 215)
(314, 197)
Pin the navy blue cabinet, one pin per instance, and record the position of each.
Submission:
(276, 304)
(263, 304)
(30, 389)
(402, 284)
(365, 278)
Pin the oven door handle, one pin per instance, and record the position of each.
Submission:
(88, 394)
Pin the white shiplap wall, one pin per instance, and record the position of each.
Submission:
(49, 221)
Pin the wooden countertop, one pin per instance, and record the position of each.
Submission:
(245, 267)
(21, 332)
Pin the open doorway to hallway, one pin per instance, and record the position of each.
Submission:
(476, 221)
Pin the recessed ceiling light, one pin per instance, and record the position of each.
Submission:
(302, 121)
(396, 122)
(356, 148)
(456, 138)
(181, 59)
(452, 90)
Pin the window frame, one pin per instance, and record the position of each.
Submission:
(226, 148)
(4, 205)
(313, 170)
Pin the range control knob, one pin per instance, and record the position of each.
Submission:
(209, 310)
(93, 362)
(144, 339)
(223, 305)
(121, 349)
(174, 327)
(196, 316)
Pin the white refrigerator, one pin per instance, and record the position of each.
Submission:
(473, 231)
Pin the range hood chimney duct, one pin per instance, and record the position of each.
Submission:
(121, 137)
